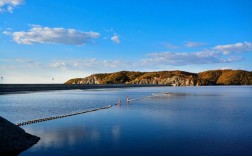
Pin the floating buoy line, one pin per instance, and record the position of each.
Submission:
(81, 112)
(62, 116)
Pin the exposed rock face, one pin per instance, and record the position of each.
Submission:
(90, 80)
(175, 78)
(13, 139)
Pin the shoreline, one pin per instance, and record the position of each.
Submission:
(27, 88)
(16, 88)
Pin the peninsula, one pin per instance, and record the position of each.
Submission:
(174, 78)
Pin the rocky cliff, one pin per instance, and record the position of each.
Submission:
(175, 78)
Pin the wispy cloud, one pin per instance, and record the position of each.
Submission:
(237, 47)
(170, 45)
(194, 44)
(217, 54)
(152, 60)
(9, 5)
(183, 58)
(224, 68)
(21, 62)
(115, 38)
(90, 64)
(39, 34)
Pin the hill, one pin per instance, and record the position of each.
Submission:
(175, 78)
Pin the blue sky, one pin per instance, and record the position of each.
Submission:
(60, 39)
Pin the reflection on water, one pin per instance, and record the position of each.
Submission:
(116, 129)
(58, 137)
(69, 136)
(189, 121)
(78, 135)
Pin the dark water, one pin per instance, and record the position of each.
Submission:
(188, 121)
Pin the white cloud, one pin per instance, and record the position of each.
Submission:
(39, 34)
(194, 44)
(115, 39)
(9, 5)
(237, 47)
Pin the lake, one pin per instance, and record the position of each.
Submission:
(212, 120)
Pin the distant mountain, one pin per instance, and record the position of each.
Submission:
(174, 78)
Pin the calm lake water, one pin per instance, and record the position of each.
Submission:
(188, 121)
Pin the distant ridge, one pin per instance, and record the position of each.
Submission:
(175, 78)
